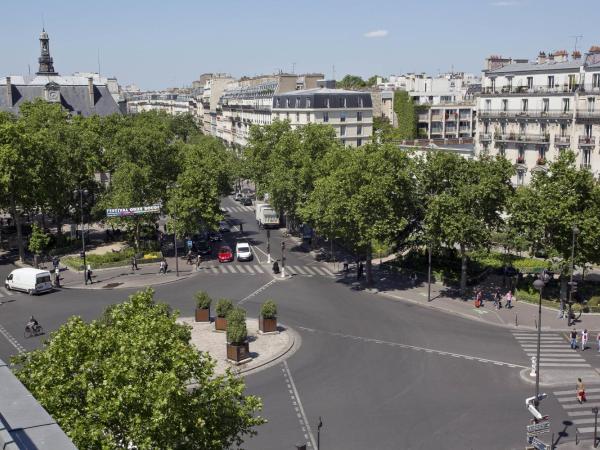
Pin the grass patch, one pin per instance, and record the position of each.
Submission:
(112, 259)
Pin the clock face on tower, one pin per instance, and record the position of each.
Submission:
(53, 96)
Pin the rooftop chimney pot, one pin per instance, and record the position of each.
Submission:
(9, 96)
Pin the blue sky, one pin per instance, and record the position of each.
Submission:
(162, 43)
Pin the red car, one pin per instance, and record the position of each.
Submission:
(225, 254)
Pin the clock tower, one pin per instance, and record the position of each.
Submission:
(45, 60)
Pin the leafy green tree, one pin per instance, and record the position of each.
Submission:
(464, 201)
(184, 126)
(38, 241)
(545, 212)
(132, 379)
(367, 194)
(383, 129)
(372, 81)
(351, 82)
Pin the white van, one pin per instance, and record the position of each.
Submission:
(30, 280)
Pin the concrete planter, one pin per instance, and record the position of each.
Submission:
(221, 324)
(267, 325)
(238, 353)
(202, 315)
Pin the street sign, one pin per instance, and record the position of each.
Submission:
(536, 443)
(538, 428)
(190, 244)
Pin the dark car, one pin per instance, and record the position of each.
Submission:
(215, 236)
(203, 247)
(246, 201)
(224, 227)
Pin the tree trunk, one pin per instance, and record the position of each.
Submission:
(59, 234)
(137, 235)
(369, 266)
(564, 288)
(463, 270)
(17, 219)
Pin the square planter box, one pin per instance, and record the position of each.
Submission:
(267, 325)
(202, 315)
(221, 324)
(238, 353)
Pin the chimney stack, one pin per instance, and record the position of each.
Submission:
(576, 54)
(91, 91)
(9, 96)
(561, 56)
(541, 59)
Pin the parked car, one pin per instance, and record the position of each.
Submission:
(238, 196)
(243, 252)
(30, 280)
(215, 236)
(225, 254)
(246, 201)
(224, 227)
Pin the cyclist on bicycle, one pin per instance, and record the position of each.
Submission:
(33, 324)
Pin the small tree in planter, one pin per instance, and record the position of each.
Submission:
(238, 348)
(223, 307)
(38, 242)
(267, 322)
(203, 302)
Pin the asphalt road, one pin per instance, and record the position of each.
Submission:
(382, 374)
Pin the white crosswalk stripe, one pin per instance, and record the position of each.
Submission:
(555, 352)
(238, 208)
(256, 269)
(582, 414)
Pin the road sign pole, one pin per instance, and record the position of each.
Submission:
(283, 259)
(595, 411)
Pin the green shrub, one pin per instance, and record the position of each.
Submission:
(236, 315)
(236, 332)
(203, 300)
(224, 305)
(268, 310)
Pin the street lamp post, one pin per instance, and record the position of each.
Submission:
(175, 243)
(539, 285)
(282, 259)
(429, 274)
(81, 192)
(573, 242)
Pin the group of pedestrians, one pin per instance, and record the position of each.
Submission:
(583, 337)
(497, 297)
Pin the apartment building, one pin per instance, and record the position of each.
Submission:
(349, 112)
(172, 104)
(209, 100)
(529, 112)
(249, 101)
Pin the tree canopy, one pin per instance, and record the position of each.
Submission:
(132, 379)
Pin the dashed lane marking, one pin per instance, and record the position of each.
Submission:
(258, 291)
(304, 424)
(416, 348)
(11, 339)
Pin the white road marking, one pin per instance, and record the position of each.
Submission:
(572, 391)
(241, 268)
(302, 414)
(231, 269)
(413, 347)
(327, 272)
(258, 269)
(255, 254)
(309, 270)
(249, 269)
(256, 292)
(10, 338)
(316, 269)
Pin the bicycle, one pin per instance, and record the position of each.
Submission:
(33, 330)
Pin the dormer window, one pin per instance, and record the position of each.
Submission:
(307, 102)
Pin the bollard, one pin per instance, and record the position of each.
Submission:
(533, 366)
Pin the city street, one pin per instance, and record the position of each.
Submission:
(381, 373)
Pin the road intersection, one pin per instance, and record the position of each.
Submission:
(382, 373)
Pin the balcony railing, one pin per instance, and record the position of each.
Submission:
(585, 165)
(588, 114)
(485, 137)
(531, 114)
(562, 140)
(587, 141)
(451, 116)
(525, 138)
(520, 160)
(525, 90)
(423, 117)
(436, 117)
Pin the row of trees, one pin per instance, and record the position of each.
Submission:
(356, 82)
(381, 193)
(46, 155)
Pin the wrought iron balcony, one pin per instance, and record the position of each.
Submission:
(526, 90)
(562, 140)
(525, 138)
(519, 114)
(585, 141)
(485, 137)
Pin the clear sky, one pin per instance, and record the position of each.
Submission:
(163, 43)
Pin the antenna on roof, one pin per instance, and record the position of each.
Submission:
(98, 63)
(43, 23)
(293, 67)
(576, 37)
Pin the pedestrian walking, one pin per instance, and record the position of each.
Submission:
(573, 339)
(345, 268)
(480, 297)
(134, 265)
(413, 279)
(198, 261)
(497, 300)
(509, 299)
(162, 268)
(88, 274)
(580, 389)
(359, 271)
(57, 277)
(584, 339)
(189, 257)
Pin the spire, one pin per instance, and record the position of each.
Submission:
(45, 60)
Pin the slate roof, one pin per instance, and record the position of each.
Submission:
(534, 67)
(73, 94)
(24, 424)
(320, 97)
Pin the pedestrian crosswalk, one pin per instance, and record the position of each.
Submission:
(580, 413)
(256, 269)
(555, 351)
(240, 208)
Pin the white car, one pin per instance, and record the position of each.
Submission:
(243, 252)
(32, 281)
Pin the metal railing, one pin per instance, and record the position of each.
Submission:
(513, 113)
(520, 137)
(536, 89)
(588, 114)
(562, 140)
(585, 140)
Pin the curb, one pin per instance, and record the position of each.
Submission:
(100, 288)
(294, 345)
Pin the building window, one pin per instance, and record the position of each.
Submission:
(588, 130)
(591, 103)
(360, 102)
(504, 105)
(307, 117)
(343, 130)
(343, 116)
(287, 116)
(525, 104)
(563, 129)
(543, 128)
(297, 102)
(586, 158)
(298, 117)
(325, 117)
(550, 81)
(287, 102)
(493, 84)
(530, 83)
(307, 102)
(522, 128)
(520, 177)
(545, 104)
(359, 116)
(343, 102)
(359, 130)
(566, 105)
(503, 127)
(488, 105)
(572, 84)
(278, 102)
(596, 80)
(542, 152)
(358, 142)
(327, 103)
(502, 151)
